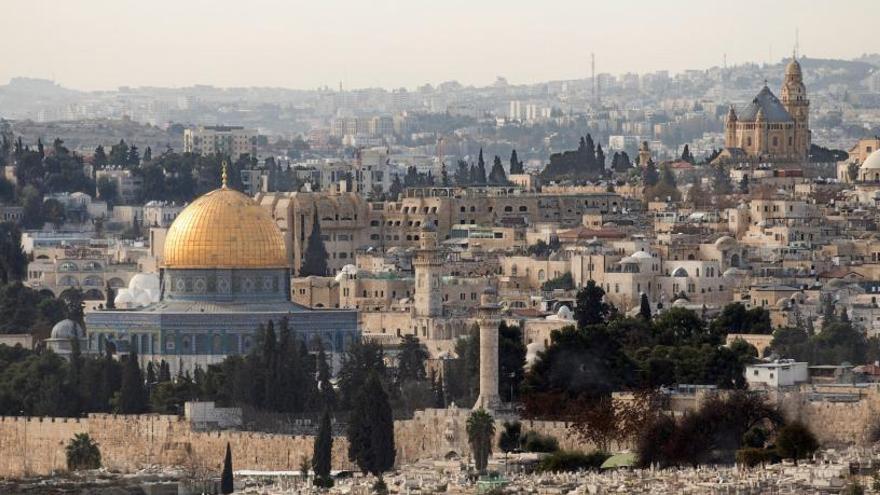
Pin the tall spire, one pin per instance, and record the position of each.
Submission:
(223, 175)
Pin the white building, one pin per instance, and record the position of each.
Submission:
(779, 373)
(228, 140)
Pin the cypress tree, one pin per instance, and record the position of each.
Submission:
(110, 303)
(645, 308)
(650, 176)
(600, 157)
(325, 387)
(99, 159)
(315, 258)
(516, 166)
(132, 393)
(164, 372)
(371, 429)
(227, 484)
(497, 177)
(322, 452)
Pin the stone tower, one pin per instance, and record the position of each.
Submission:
(644, 154)
(428, 266)
(794, 99)
(489, 399)
(730, 128)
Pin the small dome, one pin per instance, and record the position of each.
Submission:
(731, 272)
(680, 302)
(564, 313)
(144, 281)
(67, 329)
(641, 255)
(872, 162)
(725, 240)
(628, 260)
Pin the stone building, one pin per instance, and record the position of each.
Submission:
(225, 271)
(771, 129)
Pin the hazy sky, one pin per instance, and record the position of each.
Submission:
(102, 44)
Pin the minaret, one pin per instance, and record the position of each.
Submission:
(488, 322)
(428, 266)
(644, 154)
(794, 99)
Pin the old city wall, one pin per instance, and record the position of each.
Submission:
(128, 443)
(835, 424)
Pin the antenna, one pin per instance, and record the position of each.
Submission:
(593, 73)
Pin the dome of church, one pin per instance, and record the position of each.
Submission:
(66, 329)
(641, 255)
(224, 229)
(872, 162)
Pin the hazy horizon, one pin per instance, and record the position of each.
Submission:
(97, 45)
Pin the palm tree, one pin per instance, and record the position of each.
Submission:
(82, 453)
(481, 431)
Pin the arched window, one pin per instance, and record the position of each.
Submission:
(541, 275)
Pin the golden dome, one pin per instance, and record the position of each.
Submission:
(224, 229)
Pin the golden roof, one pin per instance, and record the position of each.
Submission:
(224, 229)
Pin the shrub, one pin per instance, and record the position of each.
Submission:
(83, 453)
(569, 460)
(533, 441)
(796, 441)
(752, 457)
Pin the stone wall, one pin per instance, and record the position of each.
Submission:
(129, 443)
(835, 424)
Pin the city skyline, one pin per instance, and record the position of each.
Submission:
(278, 45)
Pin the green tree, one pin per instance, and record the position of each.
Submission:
(315, 258)
(411, 360)
(325, 386)
(511, 361)
(322, 452)
(497, 176)
(516, 166)
(795, 441)
(360, 360)
(645, 307)
(107, 190)
(132, 394)
(371, 429)
(509, 441)
(148, 155)
(82, 453)
(721, 180)
(99, 159)
(53, 212)
(227, 483)
(650, 177)
(480, 432)
(591, 308)
(119, 153)
(13, 261)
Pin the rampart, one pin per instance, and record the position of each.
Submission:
(36, 446)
